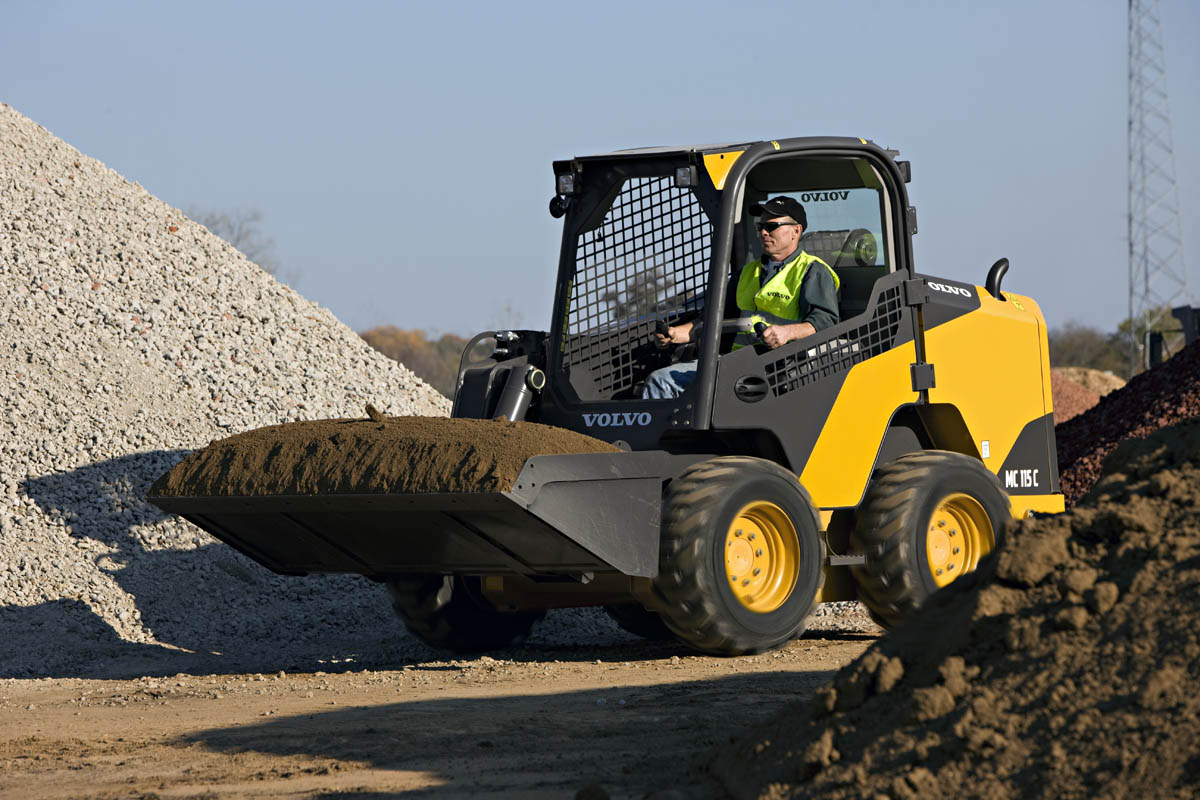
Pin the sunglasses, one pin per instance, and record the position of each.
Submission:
(770, 227)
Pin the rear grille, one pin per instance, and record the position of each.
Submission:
(647, 261)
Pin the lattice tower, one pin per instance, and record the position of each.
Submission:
(1157, 274)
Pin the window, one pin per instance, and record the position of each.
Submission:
(849, 218)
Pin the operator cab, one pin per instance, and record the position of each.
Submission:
(639, 235)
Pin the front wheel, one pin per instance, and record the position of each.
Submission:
(927, 520)
(451, 612)
(740, 559)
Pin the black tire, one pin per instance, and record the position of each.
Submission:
(635, 619)
(704, 603)
(927, 519)
(451, 612)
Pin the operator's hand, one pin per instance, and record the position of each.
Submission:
(677, 334)
(779, 335)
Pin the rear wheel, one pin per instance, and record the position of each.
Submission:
(635, 619)
(927, 520)
(740, 558)
(451, 612)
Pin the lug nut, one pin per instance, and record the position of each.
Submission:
(941, 523)
(752, 536)
(757, 571)
(746, 582)
(758, 552)
(939, 572)
(956, 551)
(737, 533)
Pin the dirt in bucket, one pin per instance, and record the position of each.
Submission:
(375, 455)
(1064, 667)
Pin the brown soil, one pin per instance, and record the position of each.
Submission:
(1094, 380)
(1062, 668)
(631, 721)
(1070, 398)
(375, 455)
(1163, 396)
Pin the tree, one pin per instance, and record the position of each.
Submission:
(435, 362)
(641, 296)
(1078, 345)
(1166, 324)
(241, 229)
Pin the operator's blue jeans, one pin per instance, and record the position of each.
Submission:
(669, 382)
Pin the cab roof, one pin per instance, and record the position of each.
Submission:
(795, 143)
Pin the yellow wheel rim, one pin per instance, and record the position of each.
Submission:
(762, 557)
(959, 534)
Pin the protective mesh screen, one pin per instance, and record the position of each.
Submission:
(870, 339)
(647, 261)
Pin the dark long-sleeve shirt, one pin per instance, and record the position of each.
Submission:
(818, 304)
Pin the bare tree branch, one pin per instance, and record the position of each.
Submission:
(241, 229)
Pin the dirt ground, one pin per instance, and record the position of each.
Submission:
(623, 722)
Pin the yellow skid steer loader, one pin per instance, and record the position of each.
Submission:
(877, 459)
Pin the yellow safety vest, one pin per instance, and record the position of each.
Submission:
(777, 302)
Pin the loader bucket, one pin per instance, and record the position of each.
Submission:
(432, 495)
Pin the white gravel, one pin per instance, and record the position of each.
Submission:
(132, 335)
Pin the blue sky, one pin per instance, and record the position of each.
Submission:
(400, 152)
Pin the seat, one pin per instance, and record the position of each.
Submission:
(853, 255)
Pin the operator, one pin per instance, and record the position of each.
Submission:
(793, 293)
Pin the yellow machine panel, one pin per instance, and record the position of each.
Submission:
(839, 469)
(981, 363)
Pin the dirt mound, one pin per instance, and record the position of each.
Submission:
(1096, 380)
(1162, 396)
(379, 454)
(1070, 398)
(1064, 667)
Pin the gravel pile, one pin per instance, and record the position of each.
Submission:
(133, 336)
(1100, 381)
(1163, 396)
(1070, 398)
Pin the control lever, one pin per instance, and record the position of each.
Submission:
(677, 350)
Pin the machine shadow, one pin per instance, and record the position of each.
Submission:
(118, 537)
(628, 739)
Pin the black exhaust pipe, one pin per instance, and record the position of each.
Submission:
(995, 275)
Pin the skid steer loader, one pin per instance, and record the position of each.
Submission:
(875, 460)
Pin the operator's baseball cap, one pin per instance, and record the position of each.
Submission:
(782, 206)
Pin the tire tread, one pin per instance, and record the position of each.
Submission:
(684, 583)
(888, 582)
